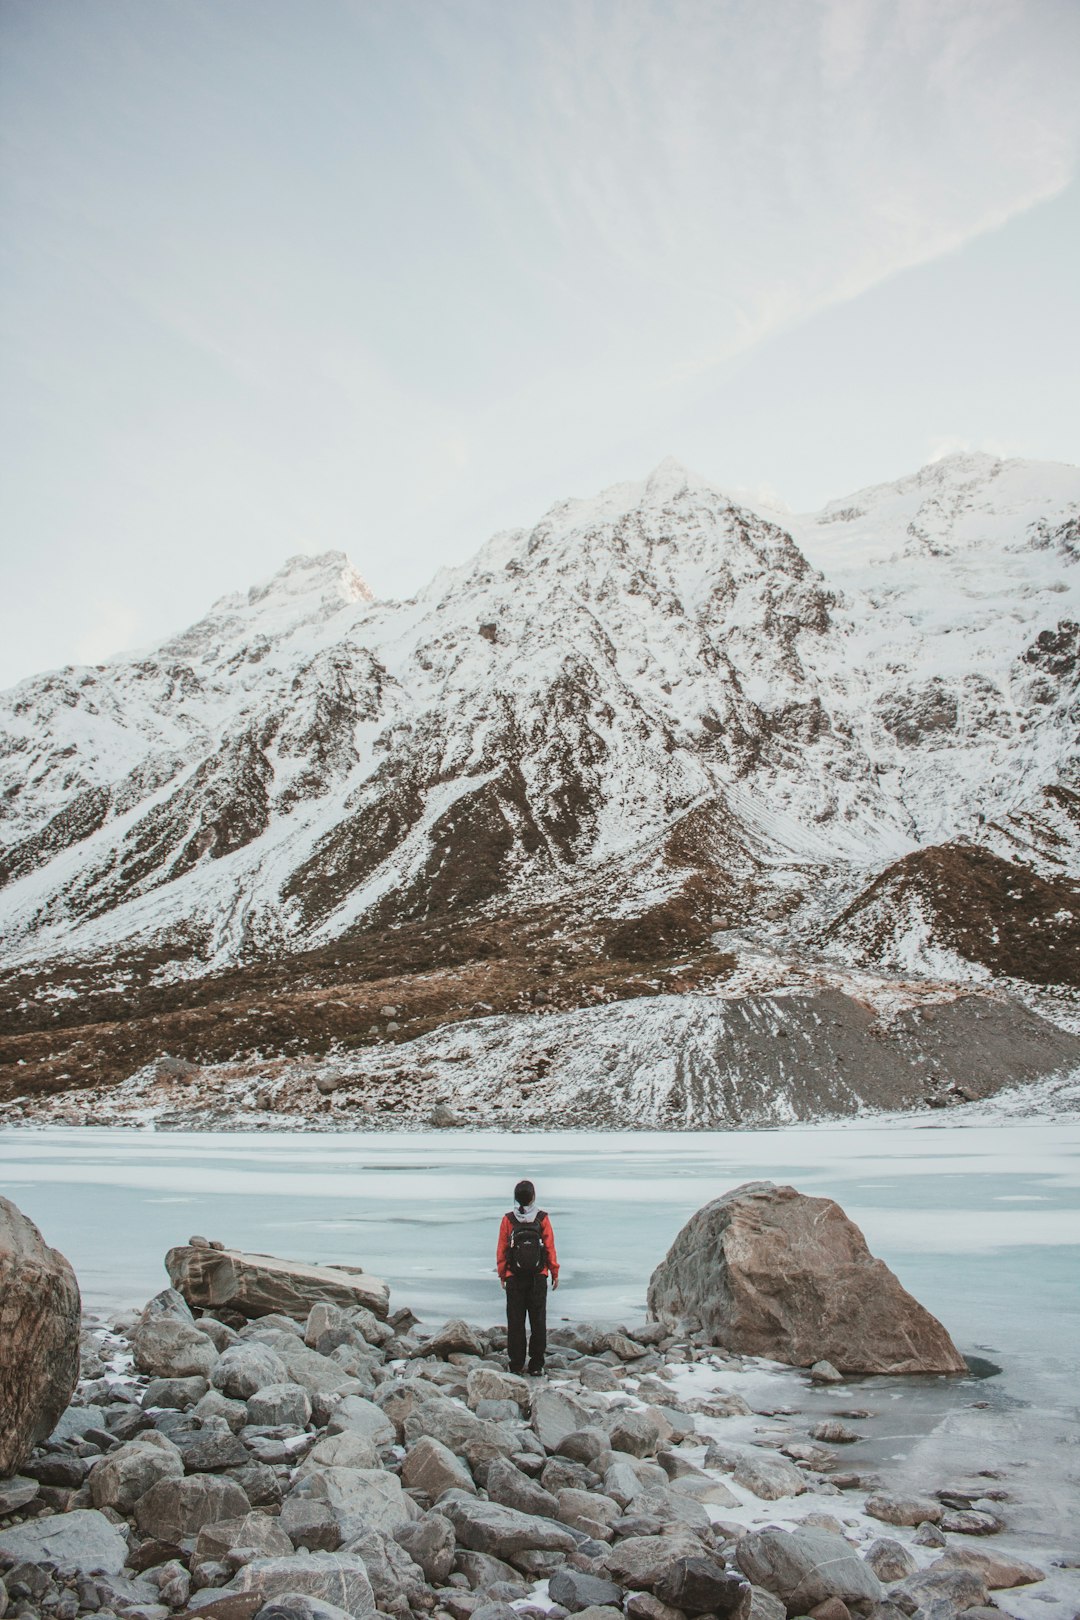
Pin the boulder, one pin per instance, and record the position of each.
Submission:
(430, 1543)
(359, 1498)
(338, 1578)
(506, 1483)
(804, 1567)
(762, 1472)
(173, 1394)
(277, 1405)
(555, 1415)
(768, 1271)
(996, 1569)
(39, 1337)
(244, 1369)
(641, 1561)
(488, 1527)
(339, 1451)
(167, 1344)
(453, 1338)
(432, 1467)
(175, 1508)
(460, 1430)
(127, 1473)
(481, 1570)
(313, 1525)
(299, 1606)
(576, 1591)
(702, 1585)
(635, 1432)
(355, 1414)
(903, 1510)
(83, 1538)
(488, 1384)
(261, 1285)
(258, 1531)
(890, 1560)
(960, 1589)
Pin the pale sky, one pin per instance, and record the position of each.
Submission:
(385, 276)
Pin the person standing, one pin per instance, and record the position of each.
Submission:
(526, 1258)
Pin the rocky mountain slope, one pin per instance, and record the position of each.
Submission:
(660, 744)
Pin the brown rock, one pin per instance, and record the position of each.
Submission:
(771, 1272)
(39, 1337)
(997, 1569)
(261, 1285)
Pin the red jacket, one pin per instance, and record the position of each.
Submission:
(547, 1238)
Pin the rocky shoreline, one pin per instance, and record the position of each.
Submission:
(345, 1461)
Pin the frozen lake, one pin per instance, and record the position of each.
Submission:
(981, 1222)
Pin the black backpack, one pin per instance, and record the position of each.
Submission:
(527, 1255)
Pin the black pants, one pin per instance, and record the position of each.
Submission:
(526, 1296)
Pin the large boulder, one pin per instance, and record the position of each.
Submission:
(39, 1337)
(337, 1578)
(262, 1285)
(488, 1527)
(768, 1271)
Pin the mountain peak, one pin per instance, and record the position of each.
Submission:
(328, 574)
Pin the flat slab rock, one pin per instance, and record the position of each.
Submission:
(84, 1538)
(262, 1285)
(768, 1271)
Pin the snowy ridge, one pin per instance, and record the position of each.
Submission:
(654, 682)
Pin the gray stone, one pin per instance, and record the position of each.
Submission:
(338, 1578)
(823, 1372)
(576, 1591)
(454, 1338)
(460, 1430)
(481, 1570)
(890, 1560)
(175, 1508)
(432, 1467)
(73, 1424)
(768, 1271)
(502, 1531)
(761, 1472)
(429, 1542)
(591, 1445)
(310, 1524)
(39, 1337)
(339, 1451)
(764, 1606)
(507, 1484)
(359, 1498)
(970, 1522)
(398, 1583)
(247, 1367)
(636, 1433)
(212, 1451)
(173, 1584)
(702, 1585)
(997, 1570)
(265, 1536)
(216, 1405)
(126, 1474)
(166, 1343)
(929, 1535)
(488, 1384)
(903, 1510)
(300, 1606)
(174, 1394)
(590, 1511)
(641, 1561)
(555, 1415)
(805, 1567)
(83, 1538)
(360, 1416)
(280, 1405)
(17, 1492)
(961, 1588)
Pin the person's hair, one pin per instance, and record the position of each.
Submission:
(524, 1193)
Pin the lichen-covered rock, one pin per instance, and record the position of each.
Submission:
(39, 1337)
(769, 1271)
(262, 1285)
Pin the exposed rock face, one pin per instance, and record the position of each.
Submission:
(39, 1337)
(769, 1271)
(261, 1285)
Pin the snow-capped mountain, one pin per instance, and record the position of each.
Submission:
(681, 715)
